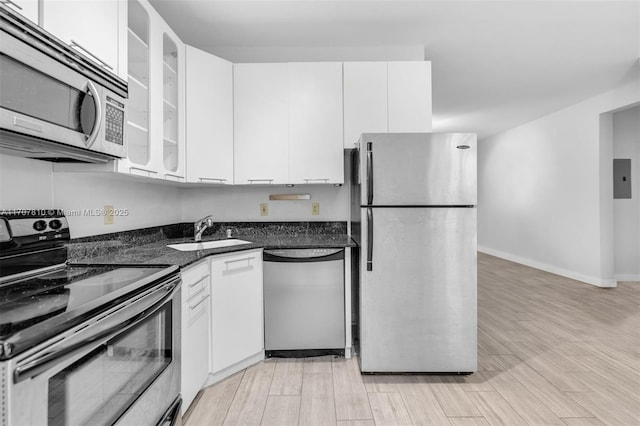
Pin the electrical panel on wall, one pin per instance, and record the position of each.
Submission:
(621, 178)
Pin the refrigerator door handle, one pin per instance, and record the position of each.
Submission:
(369, 173)
(369, 239)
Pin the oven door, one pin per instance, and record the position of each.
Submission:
(44, 98)
(122, 367)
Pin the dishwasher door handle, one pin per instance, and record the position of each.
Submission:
(283, 257)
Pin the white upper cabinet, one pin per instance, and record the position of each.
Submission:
(27, 8)
(261, 123)
(382, 97)
(315, 123)
(409, 92)
(96, 28)
(365, 100)
(209, 118)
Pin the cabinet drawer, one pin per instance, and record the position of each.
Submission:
(195, 308)
(195, 279)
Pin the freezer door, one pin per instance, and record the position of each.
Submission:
(418, 303)
(418, 169)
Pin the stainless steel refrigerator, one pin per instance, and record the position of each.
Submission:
(414, 201)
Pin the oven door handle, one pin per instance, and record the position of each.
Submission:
(99, 331)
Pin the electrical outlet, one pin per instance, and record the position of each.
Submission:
(264, 209)
(315, 209)
(108, 215)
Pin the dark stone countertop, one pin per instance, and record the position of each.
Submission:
(146, 251)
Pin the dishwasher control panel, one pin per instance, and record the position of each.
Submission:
(310, 253)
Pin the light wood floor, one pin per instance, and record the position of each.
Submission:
(551, 351)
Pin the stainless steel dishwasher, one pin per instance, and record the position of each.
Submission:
(304, 300)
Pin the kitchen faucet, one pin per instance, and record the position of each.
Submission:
(200, 226)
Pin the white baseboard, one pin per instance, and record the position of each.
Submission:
(627, 277)
(232, 369)
(598, 282)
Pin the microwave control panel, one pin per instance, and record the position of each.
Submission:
(114, 123)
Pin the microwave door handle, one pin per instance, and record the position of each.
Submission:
(144, 307)
(91, 138)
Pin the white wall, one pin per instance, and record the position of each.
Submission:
(539, 184)
(31, 184)
(146, 204)
(26, 183)
(242, 204)
(626, 144)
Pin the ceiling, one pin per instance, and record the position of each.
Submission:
(496, 64)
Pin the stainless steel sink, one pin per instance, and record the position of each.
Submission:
(207, 245)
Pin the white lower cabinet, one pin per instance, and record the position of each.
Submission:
(196, 330)
(237, 311)
(222, 319)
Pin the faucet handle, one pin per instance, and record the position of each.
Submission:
(229, 233)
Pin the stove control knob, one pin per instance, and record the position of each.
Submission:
(39, 225)
(55, 224)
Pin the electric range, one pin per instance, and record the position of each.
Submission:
(66, 329)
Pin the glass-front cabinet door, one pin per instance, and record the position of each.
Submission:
(156, 99)
(170, 104)
(173, 160)
(138, 107)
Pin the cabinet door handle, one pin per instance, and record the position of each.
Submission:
(151, 172)
(88, 52)
(175, 176)
(316, 180)
(244, 259)
(199, 302)
(199, 281)
(12, 4)
(248, 259)
(212, 179)
(260, 180)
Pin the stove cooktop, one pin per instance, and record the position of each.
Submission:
(78, 290)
